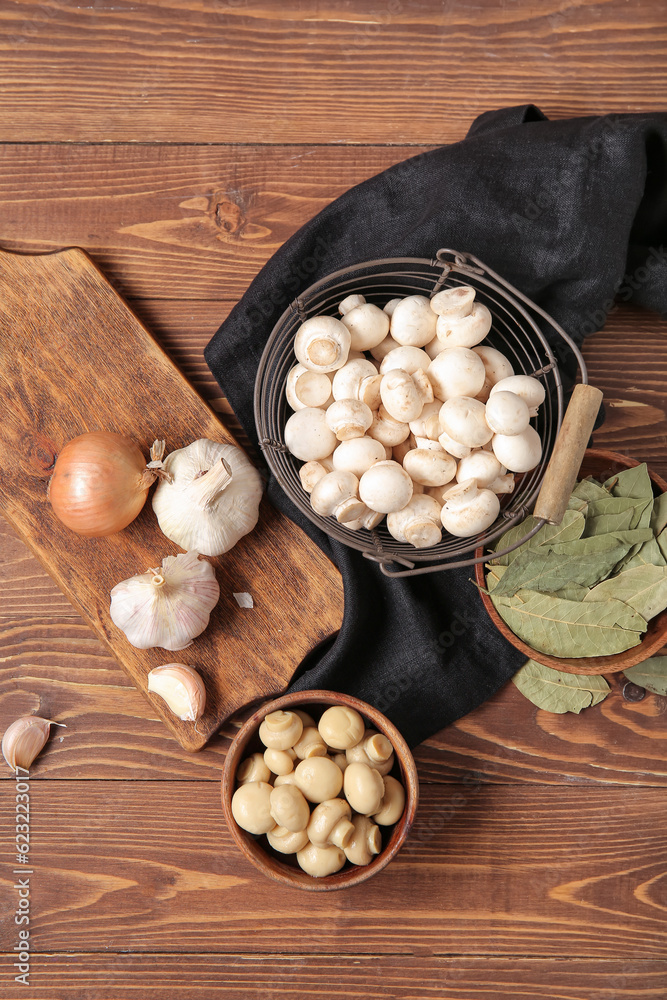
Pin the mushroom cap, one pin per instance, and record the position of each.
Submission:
(287, 842)
(368, 326)
(318, 778)
(311, 473)
(531, 391)
(363, 787)
(253, 768)
(387, 430)
(452, 447)
(280, 730)
(304, 387)
(358, 379)
(279, 761)
(482, 466)
(289, 808)
(464, 331)
(320, 861)
(456, 371)
(496, 365)
(330, 823)
(393, 802)
(251, 807)
(466, 519)
(413, 321)
(428, 467)
(418, 524)
(464, 419)
(310, 743)
(384, 347)
(386, 487)
(341, 727)
(322, 343)
(400, 395)
(455, 301)
(336, 494)
(518, 452)
(427, 424)
(503, 484)
(433, 348)
(507, 413)
(358, 454)
(361, 753)
(308, 436)
(365, 843)
(348, 418)
(390, 306)
(408, 359)
(350, 302)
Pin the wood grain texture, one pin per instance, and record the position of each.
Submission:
(237, 71)
(93, 976)
(50, 304)
(488, 870)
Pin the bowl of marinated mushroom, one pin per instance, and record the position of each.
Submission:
(319, 790)
(426, 419)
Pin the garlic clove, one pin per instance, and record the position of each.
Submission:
(181, 687)
(24, 740)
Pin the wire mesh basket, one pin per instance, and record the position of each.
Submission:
(514, 332)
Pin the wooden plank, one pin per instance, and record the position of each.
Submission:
(50, 304)
(495, 870)
(188, 71)
(345, 977)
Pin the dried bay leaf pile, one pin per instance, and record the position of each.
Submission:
(588, 586)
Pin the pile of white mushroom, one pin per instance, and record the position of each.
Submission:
(400, 412)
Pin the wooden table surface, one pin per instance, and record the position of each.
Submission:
(181, 143)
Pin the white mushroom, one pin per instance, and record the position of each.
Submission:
(308, 436)
(464, 419)
(387, 430)
(358, 379)
(506, 413)
(428, 467)
(336, 495)
(456, 372)
(349, 418)
(418, 523)
(518, 452)
(482, 466)
(428, 443)
(390, 306)
(403, 395)
(349, 303)
(312, 472)
(304, 387)
(384, 347)
(453, 447)
(413, 321)
(455, 301)
(468, 509)
(409, 359)
(496, 367)
(529, 389)
(369, 520)
(368, 326)
(464, 331)
(503, 484)
(322, 344)
(399, 452)
(438, 493)
(386, 487)
(427, 424)
(358, 454)
(433, 348)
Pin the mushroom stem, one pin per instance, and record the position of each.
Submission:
(206, 489)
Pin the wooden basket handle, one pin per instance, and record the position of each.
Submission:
(561, 474)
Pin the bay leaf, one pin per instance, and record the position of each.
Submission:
(493, 577)
(643, 588)
(570, 628)
(589, 490)
(617, 514)
(651, 674)
(659, 516)
(634, 483)
(557, 692)
(633, 536)
(572, 592)
(574, 503)
(570, 528)
(648, 553)
(549, 568)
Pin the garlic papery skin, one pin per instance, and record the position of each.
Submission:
(181, 687)
(168, 606)
(24, 740)
(213, 499)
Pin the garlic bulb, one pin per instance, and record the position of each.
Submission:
(168, 606)
(181, 687)
(213, 499)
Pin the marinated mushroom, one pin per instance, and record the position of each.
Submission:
(507, 413)
(330, 823)
(320, 861)
(308, 436)
(363, 787)
(393, 802)
(464, 419)
(279, 761)
(482, 466)
(289, 808)
(404, 395)
(418, 523)
(251, 807)
(530, 390)
(456, 371)
(280, 730)
(375, 750)
(322, 344)
(284, 779)
(285, 841)
(469, 509)
(365, 843)
(305, 717)
(336, 495)
(341, 727)
(348, 418)
(304, 387)
(358, 379)
(358, 454)
(368, 326)
(430, 467)
(310, 744)
(413, 321)
(340, 759)
(518, 452)
(253, 768)
(318, 778)
(386, 487)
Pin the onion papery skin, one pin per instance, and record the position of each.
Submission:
(98, 485)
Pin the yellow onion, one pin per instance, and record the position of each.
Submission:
(100, 482)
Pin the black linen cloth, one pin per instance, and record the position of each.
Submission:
(574, 213)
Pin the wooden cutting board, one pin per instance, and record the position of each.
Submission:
(74, 358)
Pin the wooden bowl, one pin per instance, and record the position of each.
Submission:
(284, 868)
(601, 465)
